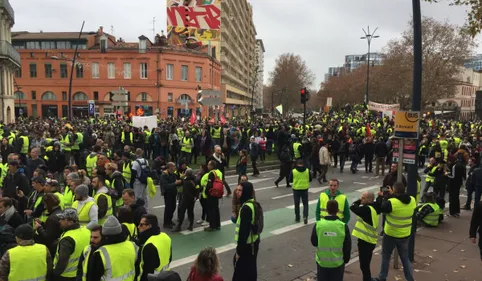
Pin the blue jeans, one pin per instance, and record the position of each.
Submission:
(354, 162)
(342, 158)
(388, 244)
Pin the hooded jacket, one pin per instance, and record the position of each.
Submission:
(246, 216)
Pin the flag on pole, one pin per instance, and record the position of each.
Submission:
(369, 132)
(223, 120)
(193, 118)
(279, 108)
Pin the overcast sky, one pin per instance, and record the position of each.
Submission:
(321, 31)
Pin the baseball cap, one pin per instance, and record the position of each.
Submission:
(69, 214)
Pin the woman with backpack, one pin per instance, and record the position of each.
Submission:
(244, 261)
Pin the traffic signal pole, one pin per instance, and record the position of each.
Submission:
(304, 113)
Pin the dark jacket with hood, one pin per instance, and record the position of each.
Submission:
(245, 225)
(96, 268)
(476, 222)
(56, 160)
(189, 191)
(386, 206)
(66, 248)
(118, 183)
(49, 233)
(138, 210)
(149, 254)
(301, 169)
(12, 181)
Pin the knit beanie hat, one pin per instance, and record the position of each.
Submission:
(111, 226)
(82, 190)
(24, 232)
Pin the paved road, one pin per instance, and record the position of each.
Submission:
(285, 251)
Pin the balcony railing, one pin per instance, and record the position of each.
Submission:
(4, 4)
(8, 51)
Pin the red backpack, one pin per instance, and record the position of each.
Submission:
(217, 190)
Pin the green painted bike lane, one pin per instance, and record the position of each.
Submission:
(278, 221)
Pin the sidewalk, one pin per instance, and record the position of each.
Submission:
(441, 254)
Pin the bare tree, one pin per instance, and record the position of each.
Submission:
(292, 73)
(474, 12)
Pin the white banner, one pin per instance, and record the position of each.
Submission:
(141, 121)
(329, 101)
(383, 107)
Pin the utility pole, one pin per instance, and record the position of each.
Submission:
(369, 38)
(69, 115)
(416, 106)
(158, 82)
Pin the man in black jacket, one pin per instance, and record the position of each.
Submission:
(220, 163)
(476, 225)
(16, 180)
(381, 151)
(456, 179)
(169, 183)
(137, 206)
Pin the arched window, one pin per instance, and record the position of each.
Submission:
(184, 97)
(49, 96)
(80, 96)
(20, 95)
(143, 97)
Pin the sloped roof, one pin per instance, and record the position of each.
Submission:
(50, 35)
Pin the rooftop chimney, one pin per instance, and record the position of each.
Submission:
(101, 30)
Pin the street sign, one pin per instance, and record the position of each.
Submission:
(329, 101)
(409, 151)
(91, 107)
(210, 93)
(407, 124)
(210, 101)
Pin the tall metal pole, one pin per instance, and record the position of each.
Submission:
(69, 116)
(416, 106)
(368, 36)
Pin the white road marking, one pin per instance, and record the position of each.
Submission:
(368, 188)
(262, 172)
(264, 188)
(281, 196)
(317, 189)
(201, 228)
(291, 227)
(362, 183)
(161, 206)
(365, 177)
(311, 202)
(192, 258)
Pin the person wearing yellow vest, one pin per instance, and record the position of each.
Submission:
(332, 240)
(147, 147)
(300, 178)
(156, 253)
(247, 242)
(24, 145)
(217, 134)
(430, 171)
(48, 232)
(102, 198)
(399, 210)
(87, 210)
(66, 142)
(332, 193)
(297, 148)
(429, 214)
(365, 230)
(116, 258)
(127, 166)
(53, 186)
(35, 206)
(126, 218)
(95, 243)
(28, 260)
(72, 243)
(127, 137)
(73, 180)
(91, 160)
(187, 143)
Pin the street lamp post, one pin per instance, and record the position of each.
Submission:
(69, 116)
(368, 36)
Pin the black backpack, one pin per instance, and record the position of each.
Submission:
(164, 276)
(145, 172)
(258, 226)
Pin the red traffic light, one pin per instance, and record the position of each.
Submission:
(303, 91)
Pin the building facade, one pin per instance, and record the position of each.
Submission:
(258, 94)
(333, 71)
(468, 83)
(9, 62)
(238, 55)
(159, 79)
(353, 62)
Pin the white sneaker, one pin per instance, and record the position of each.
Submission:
(200, 221)
(205, 223)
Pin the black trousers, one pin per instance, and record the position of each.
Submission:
(204, 206)
(303, 195)
(170, 207)
(187, 204)
(330, 274)
(255, 165)
(365, 253)
(245, 268)
(368, 162)
(454, 200)
(213, 212)
(480, 246)
(284, 172)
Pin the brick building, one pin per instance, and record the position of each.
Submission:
(159, 79)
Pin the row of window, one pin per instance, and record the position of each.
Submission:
(82, 96)
(47, 45)
(111, 71)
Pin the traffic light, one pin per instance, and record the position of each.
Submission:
(304, 94)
